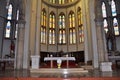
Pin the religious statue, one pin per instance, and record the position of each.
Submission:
(12, 49)
(110, 40)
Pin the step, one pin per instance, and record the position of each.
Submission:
(61, 70)
(87, 67)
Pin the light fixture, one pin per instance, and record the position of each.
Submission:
(7, 3)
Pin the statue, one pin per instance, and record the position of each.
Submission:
(12, 49)
(110, 40)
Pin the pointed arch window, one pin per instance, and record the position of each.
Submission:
(105, 24)
(62, 31)
(52, 28)
(104, 10)
(8, 25)
(114, 17)
(80, 26)
(104, 14)
(72, 31)
(43, 26)
(113, 7)
(115, 25)
(8, 30)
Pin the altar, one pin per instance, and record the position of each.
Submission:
(59, 60)
(61, 70)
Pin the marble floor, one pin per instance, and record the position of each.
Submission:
(91, 73)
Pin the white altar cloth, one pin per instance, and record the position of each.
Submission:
(56, 58)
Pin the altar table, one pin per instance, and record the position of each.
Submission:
(51, 59)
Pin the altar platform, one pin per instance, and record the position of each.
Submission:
(59, 70)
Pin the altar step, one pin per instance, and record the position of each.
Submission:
(87, 67)
(61, 70)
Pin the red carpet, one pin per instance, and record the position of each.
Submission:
(86, 78)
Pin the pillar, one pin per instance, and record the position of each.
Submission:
(20, 37)
(36, 56)
(26, 55)
(101, 42)
(93, 36)
(20, 45)
(37, 34)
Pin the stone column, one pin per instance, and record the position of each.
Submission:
(101, 43)
(37, 34)
(20, 36)
(36, 56)
(93, 36)
(26, 55)
(20, 44)
(86, 42)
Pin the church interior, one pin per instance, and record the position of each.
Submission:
(60, 38)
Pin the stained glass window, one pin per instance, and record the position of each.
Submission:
(43, 26)
(62, 31)
(115, 25)
(8, 29)
(53, 1)
(9, 17)
(80, 26)
(8, 25)
(52, 28)
(113, 7)
(72, 32)
(105, 25)
(61, 1)
(108, 25)
(104, 10)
